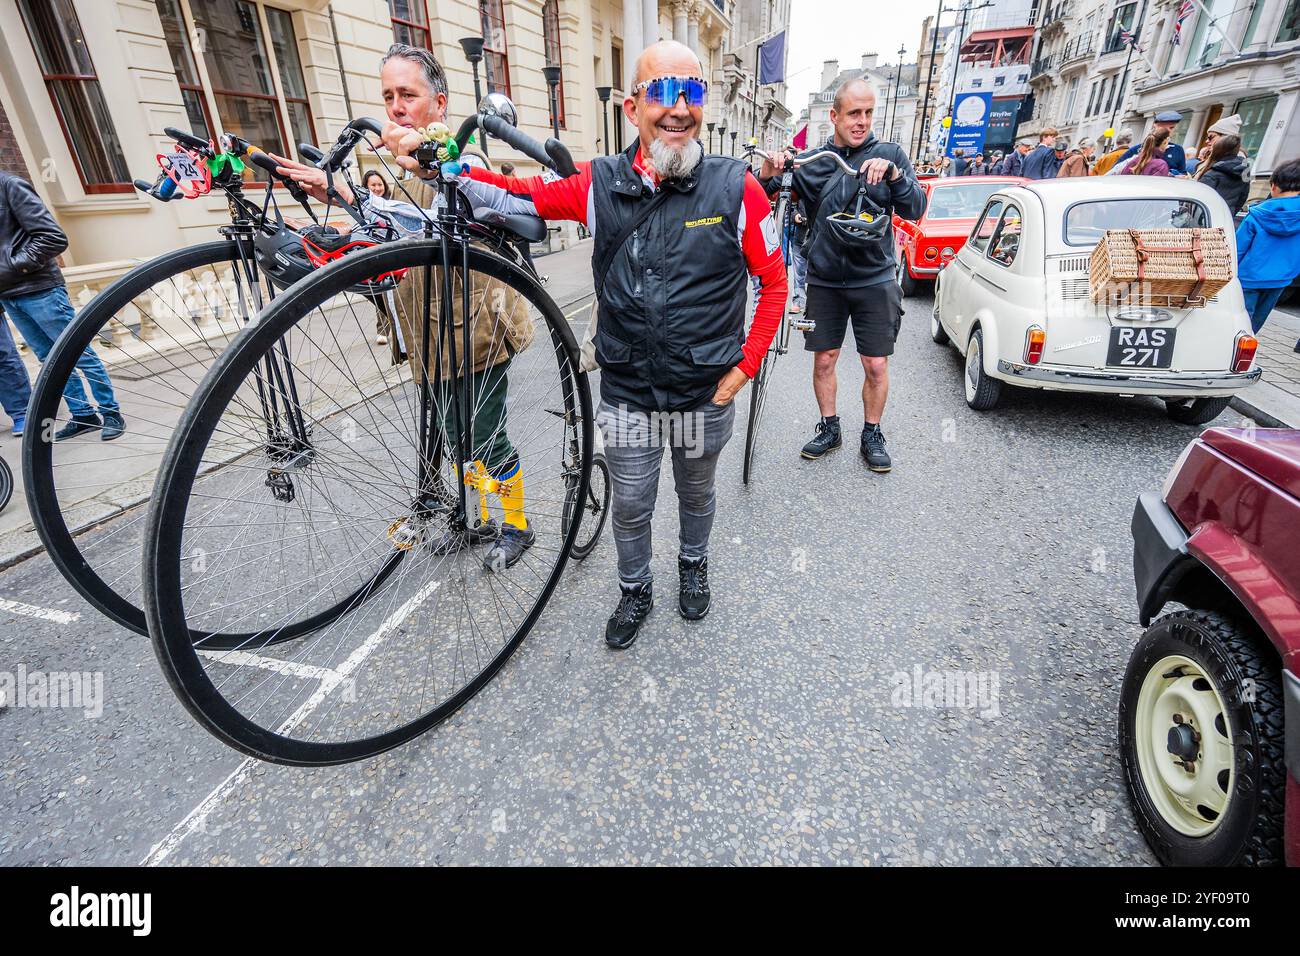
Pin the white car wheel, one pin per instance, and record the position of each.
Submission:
(982, 392)
(1179, 708)
(937, 332)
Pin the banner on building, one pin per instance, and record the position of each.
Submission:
(771, 60)
(1003, 115)
(970, 119)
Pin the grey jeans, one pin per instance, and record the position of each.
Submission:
(634, 450)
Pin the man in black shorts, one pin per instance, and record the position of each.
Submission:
(853, 279)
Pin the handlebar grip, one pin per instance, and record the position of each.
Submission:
(368, 125)
(143, 186)
(185, 139)
(561, 157)
(259, 158)
(466, 130)
(310, 153)
(519, 140)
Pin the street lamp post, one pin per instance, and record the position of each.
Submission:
(604, 92)
(898, 73)
(734, 134)
(722, 137)
(710, 126)
(552, 74)
(473, 47)
(929, 80)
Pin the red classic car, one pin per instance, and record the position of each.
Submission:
(1209, 711)
(951, 208)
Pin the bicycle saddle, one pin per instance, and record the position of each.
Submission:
(528, 228)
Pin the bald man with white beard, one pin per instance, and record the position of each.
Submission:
(677, 233)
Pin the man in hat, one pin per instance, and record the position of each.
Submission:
(1174, 155)
(1076, 164)
(1015, 159)
(1104, 163)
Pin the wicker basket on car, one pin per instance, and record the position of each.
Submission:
(1176, 268)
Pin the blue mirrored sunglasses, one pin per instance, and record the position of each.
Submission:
(666, 90)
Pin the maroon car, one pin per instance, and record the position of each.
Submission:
(1209, 721)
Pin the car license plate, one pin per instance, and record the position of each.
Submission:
(1133, 347)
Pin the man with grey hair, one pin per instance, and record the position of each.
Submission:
(853, 280)
(1104, 163)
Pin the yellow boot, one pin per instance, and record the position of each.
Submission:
(510, 489)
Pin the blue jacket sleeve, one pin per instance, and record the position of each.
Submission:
(1245, 236)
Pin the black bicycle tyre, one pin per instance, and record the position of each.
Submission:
(757, 399)
(164, 603)
(6, 484)
(581, 549)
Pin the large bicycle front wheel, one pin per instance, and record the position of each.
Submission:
(415, 524)
(140, 347)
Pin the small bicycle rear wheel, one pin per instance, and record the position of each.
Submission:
(317, 481)
(592, 511)
(757, 401)
(6, 484)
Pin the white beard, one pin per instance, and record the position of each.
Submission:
(673, 163)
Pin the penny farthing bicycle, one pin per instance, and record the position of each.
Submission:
(406, 515)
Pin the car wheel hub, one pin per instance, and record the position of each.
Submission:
(973, 367)
(1183, 746)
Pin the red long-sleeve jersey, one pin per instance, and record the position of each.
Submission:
(571, 199)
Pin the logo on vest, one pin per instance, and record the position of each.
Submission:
(707, 221)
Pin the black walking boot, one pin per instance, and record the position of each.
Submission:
(114, 426)
(873, 448)
(693, 599)
(77, 424)
(633, 608)
(827, 438)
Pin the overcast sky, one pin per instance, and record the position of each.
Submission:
(835, 30)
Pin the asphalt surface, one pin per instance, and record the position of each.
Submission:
(782, 729)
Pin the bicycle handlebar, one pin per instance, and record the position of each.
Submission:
(189, 140)
(347, 141)
(807, 158)
(552, 154)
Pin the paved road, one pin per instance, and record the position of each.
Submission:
(791, 726)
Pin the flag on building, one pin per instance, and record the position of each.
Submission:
(1184, 11)
(800, 140)
(1128, 39)
(771, 60)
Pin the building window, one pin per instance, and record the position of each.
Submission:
(616, 66)
(1256, 113)
(1290, 27)
(228, 35)
(1209, 36)
(187, 74)
(1092, 101)
(496, 61)
(1257, 7)
(410, 22)
(70, 77)
(554, 55)
(1070, 97)
(1121, 20)
(289, 64)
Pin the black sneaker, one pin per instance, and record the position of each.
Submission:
(114, 426)
(827, 438)
(873, 449)
(633, 608)
(76, 425)
(693, 599)
(508, 548)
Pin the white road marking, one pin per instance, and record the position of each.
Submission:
(31, 610)
(290, 668)
(197, 818)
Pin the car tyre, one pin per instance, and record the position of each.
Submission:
(1195, 411)
(906, 284)
(1209, 669)
(937, 332)
(982, 390)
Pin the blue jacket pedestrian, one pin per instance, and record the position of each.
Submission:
(1268, 244)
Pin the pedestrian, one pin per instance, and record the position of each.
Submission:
(1015, 160)
(15, 386)
(1227, 126)
(1174, 156)
(945, 167)
(374, 181)
(1224, 170)
(995, 162)
(1078, 162)
(959, 162)
(1041, 162)
(1105, 163)
(670, 340)
(1149, 160)
(977, 166)
(851, 279)
(1268, 244)
(507, 169)
(35, 297)
(800, 294)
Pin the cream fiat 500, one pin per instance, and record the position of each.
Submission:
(1015, 300)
